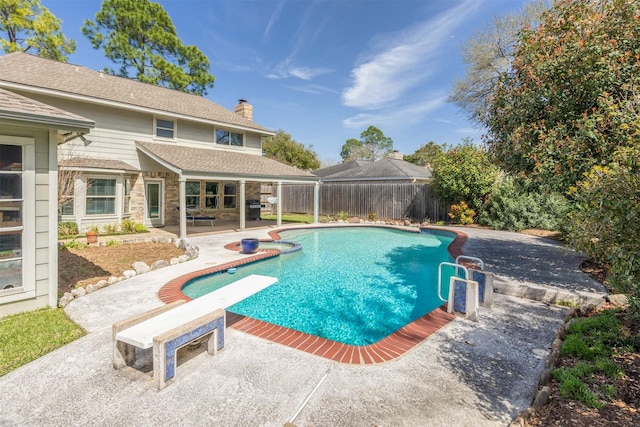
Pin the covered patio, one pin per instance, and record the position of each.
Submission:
(200, 164)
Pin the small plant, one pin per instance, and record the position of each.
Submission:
(440, 223)
(110, 229)
(67, 228)
(462, 213)
(128, 226)
(566, 303)
(372, 216)
(140, 228)
(94, 228)
(73, 244)
(342, 215)
(113, 242)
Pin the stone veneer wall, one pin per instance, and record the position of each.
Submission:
(172, 197)
(137, 198)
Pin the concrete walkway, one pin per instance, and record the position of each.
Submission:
(466, 374)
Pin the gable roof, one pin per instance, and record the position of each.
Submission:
(193, 161)
(384, 169)
(340, 167)
(21, 108)
(19, 70)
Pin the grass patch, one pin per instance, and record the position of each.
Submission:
(27, 336)
(301, 218)
(592, 342)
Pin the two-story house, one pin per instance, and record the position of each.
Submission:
(148, 151)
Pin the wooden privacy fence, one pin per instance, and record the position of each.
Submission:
(386, 200)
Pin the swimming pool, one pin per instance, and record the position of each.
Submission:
(354, 285)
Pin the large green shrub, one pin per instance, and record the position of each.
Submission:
(515, 207)
(464, 173)
(605, 221)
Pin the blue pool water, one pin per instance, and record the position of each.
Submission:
(353, 285)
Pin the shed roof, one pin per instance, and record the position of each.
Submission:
(195, 161)
(91, 163)
(23, 71)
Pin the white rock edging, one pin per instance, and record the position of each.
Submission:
(138, 267)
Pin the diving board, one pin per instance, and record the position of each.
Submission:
(170, 327)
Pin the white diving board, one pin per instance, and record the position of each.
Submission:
(141, 335)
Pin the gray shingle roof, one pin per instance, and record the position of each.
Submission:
(391, 169)
(20, 107)
(87, 162)
(222, 162)
(32, 71)
(340, 168)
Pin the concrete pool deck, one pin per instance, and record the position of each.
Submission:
(466, 374)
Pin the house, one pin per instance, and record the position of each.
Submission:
(137, 152)
(29, 134)
(151, 150)
(389, 169)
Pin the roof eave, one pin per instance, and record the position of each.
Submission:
(74, 125)
(122, 105)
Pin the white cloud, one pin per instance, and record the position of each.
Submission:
(390, 118)
(402, 60)
(313, 89)
(272, 20)
(286, 69)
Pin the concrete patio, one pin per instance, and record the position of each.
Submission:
(466, 374)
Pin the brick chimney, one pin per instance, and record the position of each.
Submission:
(395, 154)
(244, 109)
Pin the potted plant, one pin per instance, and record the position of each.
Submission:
(92, 234)
(250, 246)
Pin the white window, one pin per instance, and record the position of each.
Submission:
(101, 196)
(212, 195)
(225, 137)
(165, 128)
(229, 195)
(11, 216)
(192, 189)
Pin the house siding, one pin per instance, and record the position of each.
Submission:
(36, 294)
(116, 131)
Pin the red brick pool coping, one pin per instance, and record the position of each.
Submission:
(389, 348)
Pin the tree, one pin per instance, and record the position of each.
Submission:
(371, 146)
(284, 149)
(464, 174)
(427, 154)
(140, 36)
(605, 221)
(488, 54)
(352, 149)
(31, 27)
(571, 98)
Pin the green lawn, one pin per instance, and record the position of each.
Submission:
(302, 218)
(27, 336)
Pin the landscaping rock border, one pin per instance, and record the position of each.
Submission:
(138, 267)
(542, 395)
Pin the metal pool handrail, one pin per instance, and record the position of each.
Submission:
(450, 264)
(470, 258)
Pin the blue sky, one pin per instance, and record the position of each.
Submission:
(325, 70)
